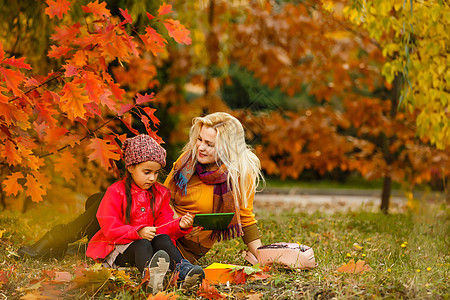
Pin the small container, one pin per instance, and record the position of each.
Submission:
(291, 255)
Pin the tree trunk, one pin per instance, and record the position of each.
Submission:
(386, 193)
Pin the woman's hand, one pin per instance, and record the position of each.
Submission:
(195, 232)
(147, 232)
(186, 221)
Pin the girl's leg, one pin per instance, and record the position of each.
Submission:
(189, 275)
(164, 242)
(138, 254)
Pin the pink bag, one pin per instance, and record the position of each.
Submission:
(289, 254)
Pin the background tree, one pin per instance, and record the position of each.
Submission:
(64, 125)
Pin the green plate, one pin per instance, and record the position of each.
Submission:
(218, 221)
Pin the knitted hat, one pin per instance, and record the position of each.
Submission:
(143, 148)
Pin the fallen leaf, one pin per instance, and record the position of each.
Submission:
(359, 268)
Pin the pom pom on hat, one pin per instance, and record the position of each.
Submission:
(143, 148)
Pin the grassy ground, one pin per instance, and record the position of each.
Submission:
(408, 254)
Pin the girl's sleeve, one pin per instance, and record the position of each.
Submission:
(165, 221)
(110, 216)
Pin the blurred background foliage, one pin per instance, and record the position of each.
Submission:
(306, 83)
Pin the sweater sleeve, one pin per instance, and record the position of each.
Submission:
(110, 217)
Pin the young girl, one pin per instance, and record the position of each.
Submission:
(137, 225)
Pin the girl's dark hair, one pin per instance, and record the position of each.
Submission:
(128, 181)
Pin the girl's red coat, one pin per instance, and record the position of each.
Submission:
(111, 216)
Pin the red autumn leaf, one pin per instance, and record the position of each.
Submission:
(165, 9)
(149, 16)
(98, 9)
(31, 82)
(143, 99)
(209, 291)
(17, 62)
(103, 152)
(34, 189)
(58, 52)
(73, 101)
(70, 71)
(116, 90)
(2, 52)
(153, 41)
(11, 184)
(239, 277)
(57, 8)
(12, 79)
(125, 108)
(125, 15)
(177, 31)
(66, 33)
(127, 123)
(150, 112)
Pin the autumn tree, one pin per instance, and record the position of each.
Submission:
(298, 48)
(63, 126)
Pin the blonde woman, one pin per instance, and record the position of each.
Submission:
(216, 173)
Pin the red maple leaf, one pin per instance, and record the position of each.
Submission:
(57, 8)
(165, 9)
(103, 152)
(176, 30)
(98, 9)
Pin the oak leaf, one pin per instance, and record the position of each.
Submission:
(13, 79)
(73, 101)
(153, 41)
(144, 98)
(177, 31)
(64, 164)
(57, 8)
(11, 150)
(11, 184)
(209, 291)
(359, 268)
(103, 152)
(165, 9)
(34, 189)
(98, 9)
(126, 15)
(151, 113)
(65, 34)
(17, 62)
(58, 51)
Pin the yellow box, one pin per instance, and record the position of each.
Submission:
(219, 273)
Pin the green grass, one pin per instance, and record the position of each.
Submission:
(420, 270)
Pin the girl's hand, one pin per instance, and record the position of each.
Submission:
(186, 221)
(147, 232)
(195, 232)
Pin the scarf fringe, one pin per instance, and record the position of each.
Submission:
(181, 182)
(233, 231)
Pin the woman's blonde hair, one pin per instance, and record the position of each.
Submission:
(244, 167)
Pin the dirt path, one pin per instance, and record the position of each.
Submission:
(326, 203)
